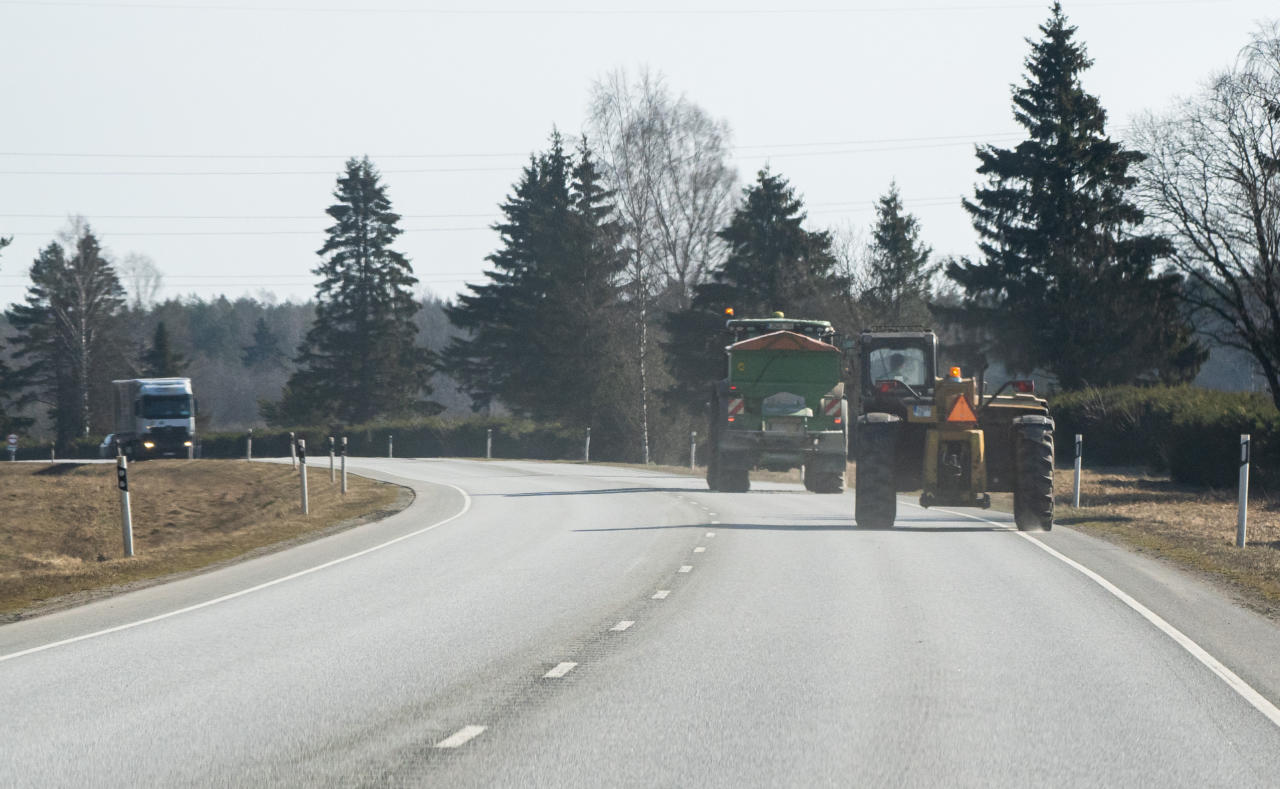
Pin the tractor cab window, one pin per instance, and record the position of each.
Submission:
(899, 364)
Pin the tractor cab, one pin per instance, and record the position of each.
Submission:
(898, 370)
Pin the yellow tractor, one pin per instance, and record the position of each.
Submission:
(941, 435)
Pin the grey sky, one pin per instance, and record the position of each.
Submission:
(449, 101)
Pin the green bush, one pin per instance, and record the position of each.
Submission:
(1192, 433)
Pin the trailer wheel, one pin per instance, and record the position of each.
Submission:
(823, 481)
(875, 503)
(1033, 467)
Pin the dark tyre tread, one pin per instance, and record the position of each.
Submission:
(1033, 491)
(875, 503)
(735, 480)
(824, 481)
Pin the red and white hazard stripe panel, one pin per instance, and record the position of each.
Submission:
(736, 407)
(831, 407)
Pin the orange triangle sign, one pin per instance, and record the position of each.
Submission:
(961, 412)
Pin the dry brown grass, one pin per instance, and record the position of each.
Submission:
(61, 532)
(1193, 528)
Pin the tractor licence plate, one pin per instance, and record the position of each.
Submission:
(922, 411)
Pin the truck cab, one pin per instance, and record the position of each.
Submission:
(154, 417)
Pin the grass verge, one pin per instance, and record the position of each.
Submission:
(61, 540)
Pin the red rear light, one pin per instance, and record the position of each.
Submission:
(731, 419)
(885, 387)
(838, 420)
(1025, 387)
(733, 388)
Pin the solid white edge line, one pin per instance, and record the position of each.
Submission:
(623, 625)
(224, 598)
(461, 737)
(560, 670)
(1233, 681)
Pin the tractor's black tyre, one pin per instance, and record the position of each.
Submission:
(1033, 467)
(713, 441)
(875, 501)
(713, 469)
(735, 480)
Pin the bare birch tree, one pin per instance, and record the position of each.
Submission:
(142, 280)
(667, 162)
(1212, 179)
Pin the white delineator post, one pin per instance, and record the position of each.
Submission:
(488, 444)
(1242, 517)
(302, 467)
(293, 450)
(344, 465)
(1075, 496)
(693, 448)
(331, 477)
(248, 446)
(126, 516)
(586, 448)
(390, 446)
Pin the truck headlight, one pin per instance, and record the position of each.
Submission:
(186, 443)
(149, 444)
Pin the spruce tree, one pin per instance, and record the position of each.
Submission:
(899, 272)
(1066, 282)
(264, 351)
(69, 337)
(544, 332)
(359, 361)
(161, 360)
(8, 386)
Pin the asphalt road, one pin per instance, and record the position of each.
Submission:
(570, 625)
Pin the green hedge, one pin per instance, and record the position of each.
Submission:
(1192, 433)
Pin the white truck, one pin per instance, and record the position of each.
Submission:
(154, 417)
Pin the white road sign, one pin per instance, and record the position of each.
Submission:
(13, 440)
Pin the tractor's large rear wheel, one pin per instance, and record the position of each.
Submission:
(1033, 466)
(735, 480)
(875, 501)
(713, 441)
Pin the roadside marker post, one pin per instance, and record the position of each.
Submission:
(331, 478)
(302, 467)
(390, 446)
(1242, 516)
(586, 449)
(344, 465)
(248, 446)
(126, 517)
(293, 450)
(13, 446)
(1075, 496)
(53, 453)
(488, 444)
(693, 448)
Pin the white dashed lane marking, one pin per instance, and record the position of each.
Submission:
(461, 737)
(623, 625)
(686, 568)
(711, 534)
(559, 671)
(699, 549)
(661, 594)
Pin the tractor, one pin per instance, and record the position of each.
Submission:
(942, 435)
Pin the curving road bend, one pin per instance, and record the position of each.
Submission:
(570, 625)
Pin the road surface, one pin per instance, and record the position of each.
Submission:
(550, 624)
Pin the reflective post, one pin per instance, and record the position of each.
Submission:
(586, 449)
(1075, 496)
(344, 465)
(488, 444)
(390, 446)
(126, 516)
(1242, 516)
(248, 446)
(293, 450)
(693, 448)
(331, 471)
(302, 467)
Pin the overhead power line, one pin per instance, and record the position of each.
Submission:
(593, 12)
